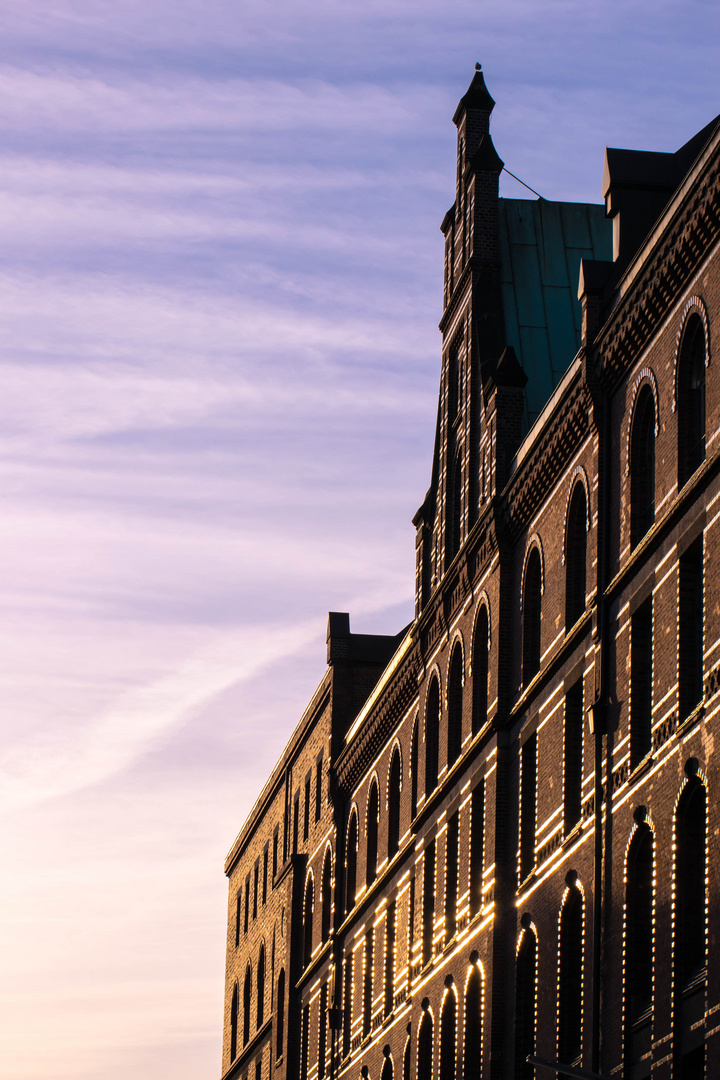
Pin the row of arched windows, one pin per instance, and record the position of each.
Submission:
(447, 1050)
(326, 907)
(240, 1036)
(689, 948)
(690, 406)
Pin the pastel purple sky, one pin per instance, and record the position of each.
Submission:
(220, 282)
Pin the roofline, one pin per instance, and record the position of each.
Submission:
(382, 682)
(543, 416)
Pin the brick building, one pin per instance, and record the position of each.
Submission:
(491, 836)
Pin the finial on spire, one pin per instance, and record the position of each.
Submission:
(478, 65)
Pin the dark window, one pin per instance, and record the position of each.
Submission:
(453, 379)
(247, 999)
(573, 757)
(641, 672)
(638, 936)
(477, 843)
(318, 790)
(351, 864)
(480, 670)
(304, 1041)
(322, 1046)
(406, 1059)
(690, 885)
(451, 876)
(532, 596)
(265, 876)
(414, 770)
(525, 1005)
(448, 1029)
(306, 815)
(368, 983)
(347, 1003)
(387, 1069)
(238, 907)
(425, 1048)
(275, 854)
(691, 400)
(455, 706)
(258, 1069)
(261, 987)
(280, 1015)
(642, 467)
(576, 556)
(296, 823)
(394, 805)
(690, 626)
(428, 903)
(372, 834)
(528, 800)
(454, 509)
(473, 1024)
(432, 738)
(256, 880)
(327, 896)
(247, 903)
(308, 922)
(570, 967)
(234, 1024)
(390, 957)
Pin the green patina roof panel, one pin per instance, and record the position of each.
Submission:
(541, 245)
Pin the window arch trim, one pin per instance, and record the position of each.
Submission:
(579, 476)
(645, 377)
(694, 306)
(534, 541)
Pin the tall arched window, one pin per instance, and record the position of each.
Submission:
(690, 929)
(261, 987)
(373, 813)
(308, 921)
(532, 599)
(638, 944)
(473, 1023)
(406, 1058)
(280, 1015)
(454, 510)
(570, 987)
(425, 1047)
(387, 1069)
(575, 556)
(247, 1001)
(234, 1023)
(455, 706)
(525, 1004)
(351, 863)
(432, 737)
(327, 896)
(691, 399)
(414, 764)
(480, 670)
(642, 466)
(394, 781)
(448, 1027)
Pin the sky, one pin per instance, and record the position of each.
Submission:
(220, 284)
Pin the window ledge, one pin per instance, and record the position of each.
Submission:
(692, 719)
(641, 768)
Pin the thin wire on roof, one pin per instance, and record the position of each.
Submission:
(505, 169)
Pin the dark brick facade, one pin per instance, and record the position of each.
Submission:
(495, 835)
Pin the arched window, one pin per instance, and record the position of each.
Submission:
(638, 944)
(234, 1023)
(304, 1042)
(480, 670)
(570, 987)
(351, 863)
(308, 922)
(387, 1069)
(642, 466)
(394, 804)
(327, 896)
(406, 1058)
(373, 813)
(455, 706)
(454, 510)
(425, 1047)
(247, 1000)
(532, 599)
(525, 1004)
(280, 1015)
(473, 1023)
(448, 1027)
(575, 556)
(691, 399)
(261, 987)
(414, 759)
(690, 928)
(432, 737)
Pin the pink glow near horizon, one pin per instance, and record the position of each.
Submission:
(220, 285)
